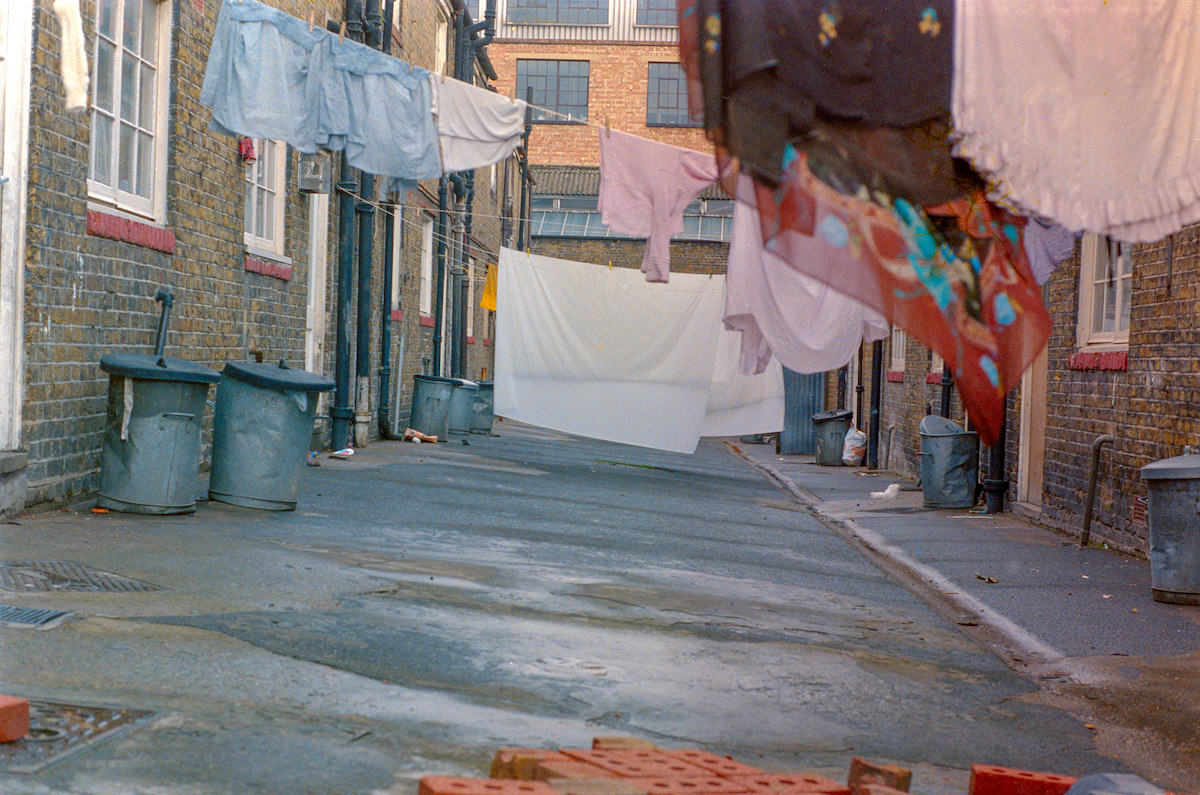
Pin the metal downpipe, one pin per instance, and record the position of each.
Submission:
(439, 278)
(385, 320)
(342, 413)
(876, 403)
(1086, 535)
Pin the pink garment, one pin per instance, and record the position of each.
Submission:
(645, 187)
(807, 325)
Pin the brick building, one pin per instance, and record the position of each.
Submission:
(603, 63)
(104, 206)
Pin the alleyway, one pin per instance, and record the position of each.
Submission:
(427, 604)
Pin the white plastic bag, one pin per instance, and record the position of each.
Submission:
(854, 448)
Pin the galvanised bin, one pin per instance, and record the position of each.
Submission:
(150, 458)
(1174, 514)
(431, 404)
(949, 463)
(459, 418)
(481, 408)
(261, 430)
(831, 427)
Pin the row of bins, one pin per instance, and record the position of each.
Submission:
(442, 406)
(150, 455)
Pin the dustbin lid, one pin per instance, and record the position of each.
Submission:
(467, 382)
(832, 414)
(157, 368)
(278, 376)
(436, 378)
(933, 425)
(1182, 467)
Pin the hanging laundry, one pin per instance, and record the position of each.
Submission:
(476, 127)
(74, 63)
(975, 303)
(488, 299)
(1047, 246)
(1094, 122)
(599, 352)
(645, 187)
(785, 315)
(270, 76)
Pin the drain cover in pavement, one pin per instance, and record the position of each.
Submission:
(64, 575)
(30, 616)
(56, 730)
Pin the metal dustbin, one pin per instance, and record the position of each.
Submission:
(1174, 487)
(481, 408)
(831, 428)
(431, 404)
(459, 418)
(150, 459)
(261, 430)
(949, 463)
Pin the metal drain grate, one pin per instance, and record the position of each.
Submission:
(30, 616)
(56, 730)
(64, 575)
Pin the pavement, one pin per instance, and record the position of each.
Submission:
(427, 604)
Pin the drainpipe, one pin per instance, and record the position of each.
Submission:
(1098, 443)
(341, 413)
(876, 403)
(523, 227)
(996, 484)
(456, 278)
(365, 211)
(385, 319)
(439, 295)
(947, 384)
(466, 274)
(858, 391)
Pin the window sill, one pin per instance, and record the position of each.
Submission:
(487, 343)
(678, 125)
(1115, 361)
(895, 376)
(470, 339)
(266, 253)
(113, 226)
(268, 267)
(397, 314)
(426, 321)
(934, 377)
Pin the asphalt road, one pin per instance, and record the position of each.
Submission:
(427, 604)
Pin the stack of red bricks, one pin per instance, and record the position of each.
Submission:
(630, 766)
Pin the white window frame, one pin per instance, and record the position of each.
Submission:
(471, 265)
(425, 290)
(899, 342)
(936, 363)
(153, 206)
(266, 175)
(397, 254)
(1094, 254)
(441, 52)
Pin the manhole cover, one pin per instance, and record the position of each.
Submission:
(64, 575)
(30, 616)
(56, 730)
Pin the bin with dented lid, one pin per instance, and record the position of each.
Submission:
(150, 458)
(261, 430)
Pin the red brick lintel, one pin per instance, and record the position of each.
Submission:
(933, 378)
(115, 227)
(1089, 360)
(266, 267)
(895, 376)
(397, 314)
(427, 321)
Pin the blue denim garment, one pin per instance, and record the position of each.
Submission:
(257, 78)
(268, 76)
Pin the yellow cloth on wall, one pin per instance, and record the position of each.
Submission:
(488, 299)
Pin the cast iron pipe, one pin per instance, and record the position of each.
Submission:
(947, 384)
(439, 278)
(523, 227)
(341, 413)
(996, 483)
(167, 300)
(858, 391)
(365, 211)
(1093, 474)
(876, 404)
(385, 318)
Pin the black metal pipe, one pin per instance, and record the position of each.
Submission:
(947, 385)
(876, 403)
(439, 278)
(342, 413)
(385, 318)
(858, 391)
(352, 12)
(389, 13)
(365, 211)
(523, 227)
(996, 483)
(165, 297)
(372, 27)
(1093, 474)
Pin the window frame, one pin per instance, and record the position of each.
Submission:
(472, 263)
(544, 101)
(425, 271)
(277, 151)
(897, 347)
(643, 10)
(680, 81)
(561, 8)
(1093, 248)
(397, 213)
(154, 206)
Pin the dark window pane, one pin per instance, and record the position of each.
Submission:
(561, 12)
(656, 12)
(666, 96)
(559, 86)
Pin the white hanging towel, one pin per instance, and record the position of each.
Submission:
(1084, 112)
(602, 353)
(476, 127)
